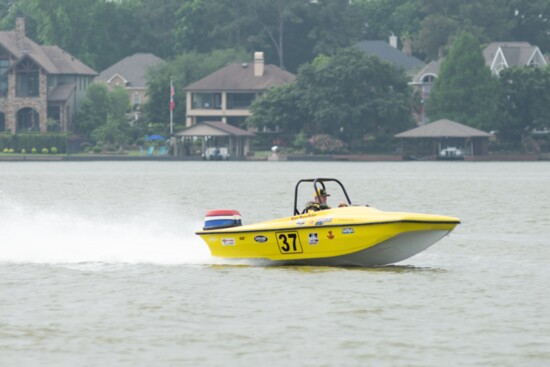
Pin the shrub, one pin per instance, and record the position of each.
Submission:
(53, 150)
(97, 149)
(23, 151)
(324, 144)
(6, 150)
(33, 150)
(45, 151)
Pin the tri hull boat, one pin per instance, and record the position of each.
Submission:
(349, 235)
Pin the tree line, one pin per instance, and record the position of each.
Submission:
(290, 32)
(313, 39)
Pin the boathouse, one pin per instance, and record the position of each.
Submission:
(428, 141)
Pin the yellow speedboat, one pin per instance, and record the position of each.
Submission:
(349, 235)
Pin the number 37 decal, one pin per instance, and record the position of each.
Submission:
(289, 243)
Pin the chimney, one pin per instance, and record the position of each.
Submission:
(258, 63)
(20, 32)
(407, 48)
(393, 41)
(20, 26)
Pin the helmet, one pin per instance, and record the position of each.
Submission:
(321, 192)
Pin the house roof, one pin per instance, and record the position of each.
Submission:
(432, 68)
(443, 129)
(61, 92)
(214, 128)
(388, 53)
(52, 58)
(515, 53)
(133, 69)
(238, 77)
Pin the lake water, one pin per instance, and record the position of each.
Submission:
(99, 266)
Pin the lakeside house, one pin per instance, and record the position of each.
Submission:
(497, 55)
(220, 104)
(130, 73)
(226, 94)
(389, 52)
(41, 87)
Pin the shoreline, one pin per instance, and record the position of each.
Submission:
(289, 158)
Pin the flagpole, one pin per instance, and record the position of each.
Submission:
(171, 108)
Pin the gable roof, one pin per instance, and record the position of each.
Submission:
(239, 77)
(386, 52)
(133, 69)
(515, 53)
(443, 129)
(51, 58)
(65, 62)
(214, 128)
(432, 68)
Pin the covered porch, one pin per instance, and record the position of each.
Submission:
(196, 139)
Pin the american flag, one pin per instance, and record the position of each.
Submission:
(172, 103)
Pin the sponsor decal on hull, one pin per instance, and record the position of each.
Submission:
(228, 242)
(347, 231)
(313, 238)
(260, 239)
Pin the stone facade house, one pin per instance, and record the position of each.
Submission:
(41, 87)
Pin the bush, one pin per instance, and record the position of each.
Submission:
(97, 149)
(23, 151)
(33, 150)
(53, 150)
(325, 144)
(45, 151)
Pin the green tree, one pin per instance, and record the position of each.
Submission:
(532, 22)
(152, 24)
(277, 109)
(93, 110)
(119, 103)
(97, 32)
(348, 96)
(524, 102)
(465, 90)
(102, 116)
(384, 17)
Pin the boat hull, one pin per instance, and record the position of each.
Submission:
(339, 237)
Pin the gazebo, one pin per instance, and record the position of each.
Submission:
(430, 139)
(214, 134)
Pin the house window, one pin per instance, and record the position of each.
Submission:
(27, 120)
(54, 114)
(137, 98)
(208, 101)
(239, 101)
(2, 122)
(27, 79)
(4, 66)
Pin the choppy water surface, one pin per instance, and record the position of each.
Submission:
(99, 266)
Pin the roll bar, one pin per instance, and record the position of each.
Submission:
(318, 183)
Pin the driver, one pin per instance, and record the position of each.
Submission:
(320, 202)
